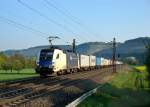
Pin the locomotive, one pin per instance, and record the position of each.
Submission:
(57, 61)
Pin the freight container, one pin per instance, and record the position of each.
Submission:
(109, 62)
(102, 61)
(119, 62)
(105, 62)
(98, 61)
(84, 61)
(72, 60)
(92, 61)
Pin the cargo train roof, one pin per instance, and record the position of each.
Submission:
(60, 48)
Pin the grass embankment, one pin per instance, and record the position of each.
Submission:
(127, 89)
(14, 75)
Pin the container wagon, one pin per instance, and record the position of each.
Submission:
(98, 62)
(84, 62)
(92, 62)
(102, 62)
(72, 62)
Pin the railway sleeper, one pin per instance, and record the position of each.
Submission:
(12, 95)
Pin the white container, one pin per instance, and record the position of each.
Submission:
(102, 61)
(105, 62)
(92, 61)
(84, 61)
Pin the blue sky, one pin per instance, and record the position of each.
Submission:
(84, 20)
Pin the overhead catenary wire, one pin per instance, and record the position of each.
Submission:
(64, 11)
(70, 24)
(61, 11)
(69, 17)
(24, 27)
(74, 19)
(20, 26)
(47, 18)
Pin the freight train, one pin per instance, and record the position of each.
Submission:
(55, 60)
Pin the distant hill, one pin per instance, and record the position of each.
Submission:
(85, 48)
(93, 47)
(32, 52)
(134, 47)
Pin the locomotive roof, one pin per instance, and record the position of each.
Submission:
(52, 49)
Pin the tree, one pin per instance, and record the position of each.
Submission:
(30, 63)
(20, 58)
(131, 60)
(3, 59)
(17, 65)
(16, 62)
(6, 66)
(148, 60)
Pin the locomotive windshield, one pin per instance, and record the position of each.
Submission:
(46, 55)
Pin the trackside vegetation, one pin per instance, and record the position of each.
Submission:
(16, 67)
(126, 89)
(147, 62)
(15, 62)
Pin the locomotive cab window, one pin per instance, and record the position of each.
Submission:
(46, 55)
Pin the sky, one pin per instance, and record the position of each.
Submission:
(29, 23)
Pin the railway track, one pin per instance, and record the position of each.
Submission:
(23, 91)
(10, 86)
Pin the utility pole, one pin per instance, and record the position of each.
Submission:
(51, 38)
(114, 55)
(74, 46)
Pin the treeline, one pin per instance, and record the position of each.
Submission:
(15, 62)
(148, 61)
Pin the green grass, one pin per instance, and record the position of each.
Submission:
(15, 75)
(134, 80)
(128, 89)
(24, 71)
